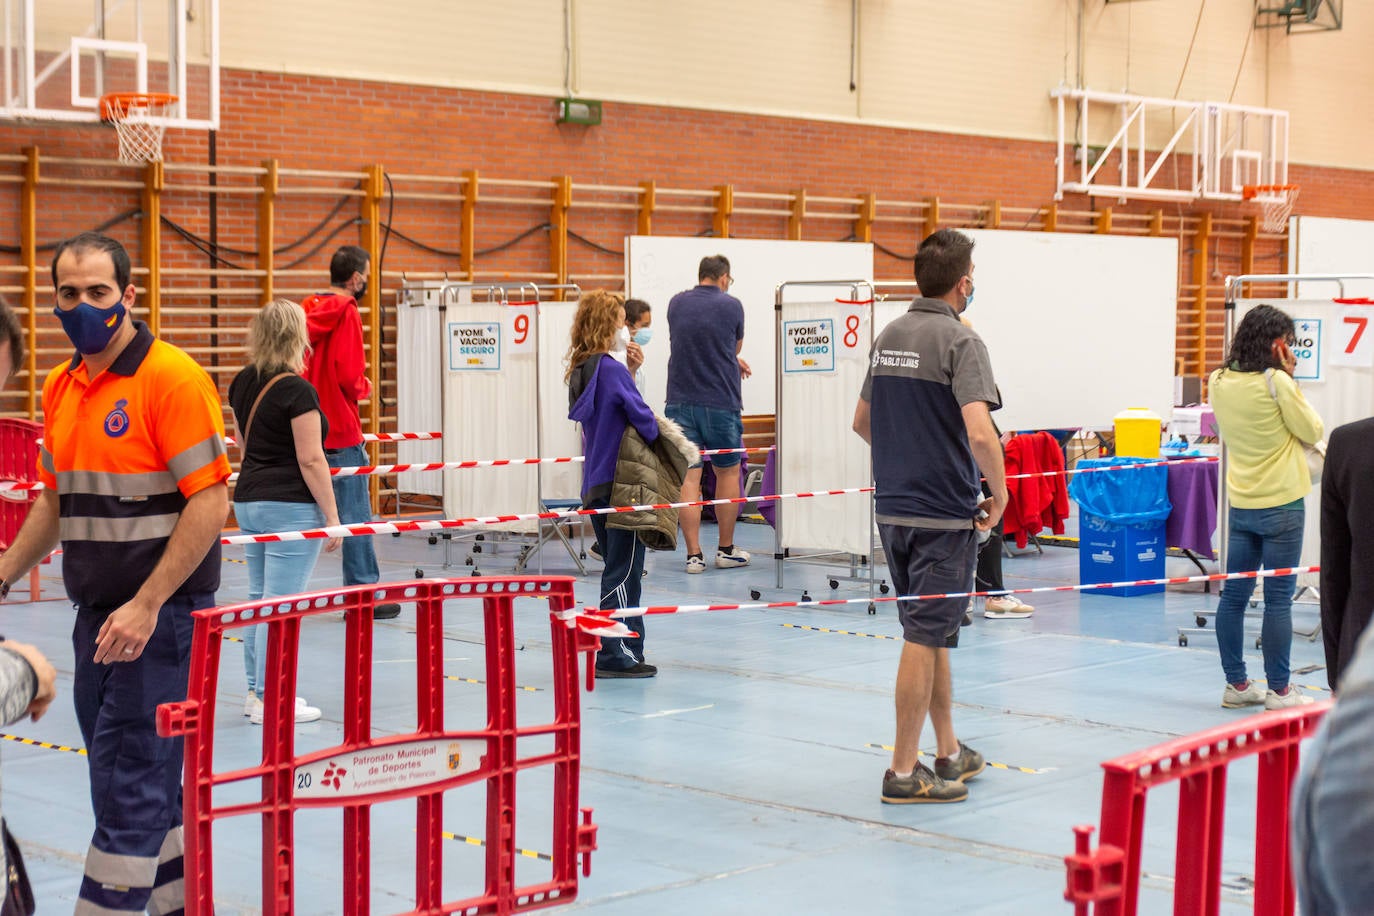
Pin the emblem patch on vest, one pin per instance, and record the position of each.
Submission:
(117, 421)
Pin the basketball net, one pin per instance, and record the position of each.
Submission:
(131, 113)
(1276, 204)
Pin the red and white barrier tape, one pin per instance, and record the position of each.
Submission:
(380, 469)
(438, 524)
(607, 622)
(377, 437)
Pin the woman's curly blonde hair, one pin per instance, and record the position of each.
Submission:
(600, 316)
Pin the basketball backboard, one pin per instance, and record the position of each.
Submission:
(61, 56)
(1135, 147)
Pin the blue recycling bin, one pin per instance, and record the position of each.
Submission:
(1121, 516)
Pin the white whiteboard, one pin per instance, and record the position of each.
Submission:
(1320, 245)
(1079, 327)
(659, 267)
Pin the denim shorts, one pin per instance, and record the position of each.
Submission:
(710, 428)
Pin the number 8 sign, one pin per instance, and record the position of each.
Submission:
(1354, 340)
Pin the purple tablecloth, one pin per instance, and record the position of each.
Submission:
(1193, 493)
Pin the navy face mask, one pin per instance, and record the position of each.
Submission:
(91, 329)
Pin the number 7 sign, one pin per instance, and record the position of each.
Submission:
(1354, 339)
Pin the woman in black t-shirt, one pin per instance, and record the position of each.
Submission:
(283, 482)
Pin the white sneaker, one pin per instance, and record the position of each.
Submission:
(304, 712)
(735, 557)
(696, 563)
(1252, 695)
(1006, 607)
(250, 703)
(1294, 697)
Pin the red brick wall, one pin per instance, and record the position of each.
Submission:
(345, 125)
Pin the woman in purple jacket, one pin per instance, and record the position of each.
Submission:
(603, 398)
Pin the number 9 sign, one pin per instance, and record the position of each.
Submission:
(519, 322)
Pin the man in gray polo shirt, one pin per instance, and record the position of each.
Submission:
(924, 409)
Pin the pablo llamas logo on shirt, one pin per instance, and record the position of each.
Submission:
(117, 420)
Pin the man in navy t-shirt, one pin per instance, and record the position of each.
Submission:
(924, 409)
(706, 327)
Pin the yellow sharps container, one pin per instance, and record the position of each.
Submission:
(1137, 432)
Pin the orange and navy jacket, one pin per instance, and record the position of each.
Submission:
(124, 451)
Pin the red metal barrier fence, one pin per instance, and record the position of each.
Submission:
(1109, 876)
(365, 770)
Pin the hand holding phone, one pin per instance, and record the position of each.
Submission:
(1287, 361)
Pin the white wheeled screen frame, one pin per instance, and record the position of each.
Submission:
(817, 450)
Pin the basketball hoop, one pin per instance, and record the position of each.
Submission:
(134, 116)
(1277, 201)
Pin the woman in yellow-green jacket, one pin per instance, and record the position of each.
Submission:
(1264, 421)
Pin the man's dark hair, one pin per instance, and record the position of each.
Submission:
(11, 330)
(87, 242)
(713, 267)
(1252, 347)
(347, 261)
(943, 259)
(634, 308)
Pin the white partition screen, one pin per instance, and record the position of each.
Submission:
(489, 375)
(823, 347)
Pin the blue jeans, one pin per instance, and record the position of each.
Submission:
(280, 568)
(623, 555)
(1271, 538)
(355, 508)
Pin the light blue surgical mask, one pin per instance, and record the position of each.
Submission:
(643, 336)
(89, 328)
(969, 301)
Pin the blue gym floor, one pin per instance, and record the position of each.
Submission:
(745, 777)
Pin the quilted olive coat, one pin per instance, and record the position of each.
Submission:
(650, 474)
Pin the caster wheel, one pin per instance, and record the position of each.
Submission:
(419, 573)
(582, 555)
(395, 534)
(754, 595)
(477, 548)
(806, 596)
(884, 589)
(433, 540)
(834, 584)
(1259, 643)
(1183, 641)
(1200, 621)
(872, 608)
(468, 561)
(476, 573)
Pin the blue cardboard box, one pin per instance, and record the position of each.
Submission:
(1108, 552)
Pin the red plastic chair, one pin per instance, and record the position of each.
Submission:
(18, 462)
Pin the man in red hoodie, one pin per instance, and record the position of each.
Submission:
(337, 369)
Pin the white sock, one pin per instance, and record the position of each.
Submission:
(906, 775)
